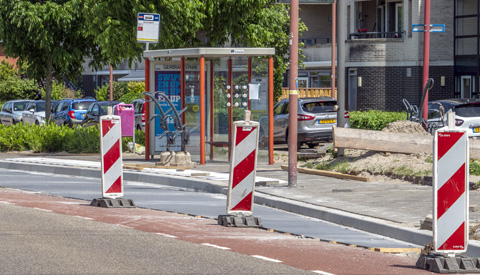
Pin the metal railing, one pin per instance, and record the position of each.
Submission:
(369, 35)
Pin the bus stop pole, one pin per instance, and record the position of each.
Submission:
(293, 96)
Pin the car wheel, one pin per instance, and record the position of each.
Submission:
(139, 128)
(37, 123)
(311, 145)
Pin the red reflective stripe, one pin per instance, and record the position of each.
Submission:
(445, 142)
(451, 191)
(458, 237)
(111, 156)
(245, 204)
(243, 169)
(241, 134)
(106, 126)
(116, 186)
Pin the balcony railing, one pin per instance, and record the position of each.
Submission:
(309, 41)
(368, 35)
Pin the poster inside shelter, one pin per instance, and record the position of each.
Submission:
(167, 81)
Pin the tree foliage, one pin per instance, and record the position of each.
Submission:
(50, 35)
(191, 23)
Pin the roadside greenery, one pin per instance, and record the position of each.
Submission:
(52, 138)
(374, 119)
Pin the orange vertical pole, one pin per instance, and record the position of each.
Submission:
(334, 30)
(147, 110)
(212, 102)
(249, 81)
(270, 110)
(202, 110)
(230, 109)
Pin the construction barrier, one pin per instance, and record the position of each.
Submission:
(242, 174)
(450, 204)
(111, 151)
(450, 177)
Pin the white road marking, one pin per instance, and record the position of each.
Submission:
(45, 210)
(266, 258)
(85, 218)
(216, 246)
(322, 272)
(166, 235)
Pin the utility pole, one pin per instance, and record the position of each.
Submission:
(293, 96)
(426, 57)
(342, 36)
(334, 30)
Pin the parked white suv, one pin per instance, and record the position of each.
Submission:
(467, 114)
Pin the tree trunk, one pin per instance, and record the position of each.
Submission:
(48, 88)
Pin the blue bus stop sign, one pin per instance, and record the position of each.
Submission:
(433, 28)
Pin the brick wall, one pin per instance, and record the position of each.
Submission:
(384, 88)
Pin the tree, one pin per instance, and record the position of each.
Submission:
(50, 35)
(188, 23)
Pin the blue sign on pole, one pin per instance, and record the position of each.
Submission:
(433, 28)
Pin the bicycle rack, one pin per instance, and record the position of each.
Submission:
(164, 116)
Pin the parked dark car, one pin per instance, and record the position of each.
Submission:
(139, 107)
(71, 111)
(96, 110)
(316, 118)
(12, 111)
(35, 112)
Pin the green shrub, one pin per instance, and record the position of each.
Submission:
(59, 91)
(119, 90)
(374, 119)
(53, 138)
(16, 88)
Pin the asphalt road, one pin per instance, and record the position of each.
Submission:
(40, 242)
(45, 234)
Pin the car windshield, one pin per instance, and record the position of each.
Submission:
(103, 109)
(19, 106)
(81, 105)
(468, 110)
(40, 107)
(318, 106)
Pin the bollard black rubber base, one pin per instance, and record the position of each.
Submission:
(113, 203)
(442, 264)
(239, 221)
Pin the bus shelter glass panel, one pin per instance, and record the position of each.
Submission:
(259, 107)
(192, 103)
(240, 87)
(218, 145)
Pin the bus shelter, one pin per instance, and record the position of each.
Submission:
(216, 85)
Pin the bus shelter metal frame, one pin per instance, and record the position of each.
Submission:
(211, 53)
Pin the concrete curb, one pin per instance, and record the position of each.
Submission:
(367, 224)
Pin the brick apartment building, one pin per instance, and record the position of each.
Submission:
(384, 58)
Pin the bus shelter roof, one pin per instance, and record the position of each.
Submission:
(210, 52)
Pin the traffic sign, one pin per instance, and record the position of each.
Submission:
(148, 27)
(433, 28)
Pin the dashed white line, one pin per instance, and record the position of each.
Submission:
(266, 258)
(45, 210)
(85, 218)
(166, 235)
(322, 272)
(216, 246)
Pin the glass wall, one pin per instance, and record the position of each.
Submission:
(467, 58)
